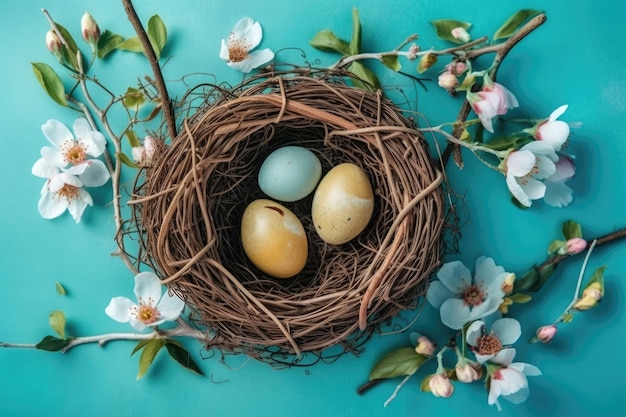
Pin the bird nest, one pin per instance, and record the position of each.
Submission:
(190, 205)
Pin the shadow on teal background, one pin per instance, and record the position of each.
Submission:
(575, 58)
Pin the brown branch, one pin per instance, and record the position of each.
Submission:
(168, 110)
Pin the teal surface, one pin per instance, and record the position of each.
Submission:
(575, 58)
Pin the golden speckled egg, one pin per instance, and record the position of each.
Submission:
(273, 239)
(342, 204)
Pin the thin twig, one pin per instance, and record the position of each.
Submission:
(168, 110)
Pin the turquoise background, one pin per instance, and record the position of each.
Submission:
(575, 58)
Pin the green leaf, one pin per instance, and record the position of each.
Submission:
(392, 62)
(157, 33)
(367, 80)
(400, 362)
(50, 82)
(123, 158)
(70, 52)
(425, 62)
(182, 356)
(133, 139)
(543, 276)
(355, 41)
(520, 298)
(504, 143)
(598, 276)
(443, 28)
(555, 246)
(327, 41)
(52, 344)
(131, 44)
(60, 288)
(108, 42)
(571, 229)
(57, 322)
(425, 384)
(139, 346)
(149, 352)
(133, 98)
(514, 22)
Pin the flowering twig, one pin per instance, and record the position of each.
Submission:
(168, 110)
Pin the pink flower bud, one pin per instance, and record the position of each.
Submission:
(467, 372)
(440, 385)
(448, 81)
(412, 54)
(425, 346)
(545, 334)
(459, 68)
(89, 29)
(460, 34)
(507, 284)
(575, 245)
(53, 43)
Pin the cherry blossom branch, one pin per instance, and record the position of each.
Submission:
(101, 340)
(168, 110)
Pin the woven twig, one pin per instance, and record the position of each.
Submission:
(192, 200)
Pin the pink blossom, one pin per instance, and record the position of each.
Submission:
(553, 131)
(545, 334)
(510, 383)
(440, 385)
(575, 245)
(493, 100)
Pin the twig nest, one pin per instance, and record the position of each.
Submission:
(193, 199)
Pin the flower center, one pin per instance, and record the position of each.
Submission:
(237, 49)
(74, 152)
(473, 295)
(146, 312)
(488, 344)
(68, 192)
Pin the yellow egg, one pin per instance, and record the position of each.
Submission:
(342, 204)
(273, 239)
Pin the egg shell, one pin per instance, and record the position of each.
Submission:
(290, 173)
(343, 204)
(273, 238)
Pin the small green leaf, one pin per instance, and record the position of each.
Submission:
(520, 298)
(157, 33)
(139, 346)
(425, 62)
(555, 246)
(123, 158)
(367, 80)
(131, 44)
(60, 288)
(133, 98)
(52, 344)
(425, 384)
(392, 62)
(544, 275)
(355, 41)
(571, 229)
(50, 82)
(598, 276)
(444, 27)
(70, 52)
(567, 318)
(327, 41)
(504, 143)
(133, 139)
(108, 42)
(514, 22)
(182, 356)
(149, 352)
(400, 362)
(57, 322)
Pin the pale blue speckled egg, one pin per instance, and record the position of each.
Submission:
(290, 173)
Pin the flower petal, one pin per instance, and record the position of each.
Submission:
(44, 169)
(77, 206)
(557, 194)
(565, 169)
(518, 397)
(224, 51)
(170, 307)
(520, 163)
(558, 112)
(545, 168)
(437, 294)
(147, 285)
(517, 191)
(487, 271)
(96, 173)
(474, 331)
(555, 133)
(54, 156)
(533, 188)
(258, 58)
(249, 31)
(508, 330)
(526, 368)
(504, 357)
(485, 308)
(119, 309)
(56, 132)
(454, 276)
(50, 207)
(454, 313)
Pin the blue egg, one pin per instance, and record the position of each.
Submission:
(290, 173)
